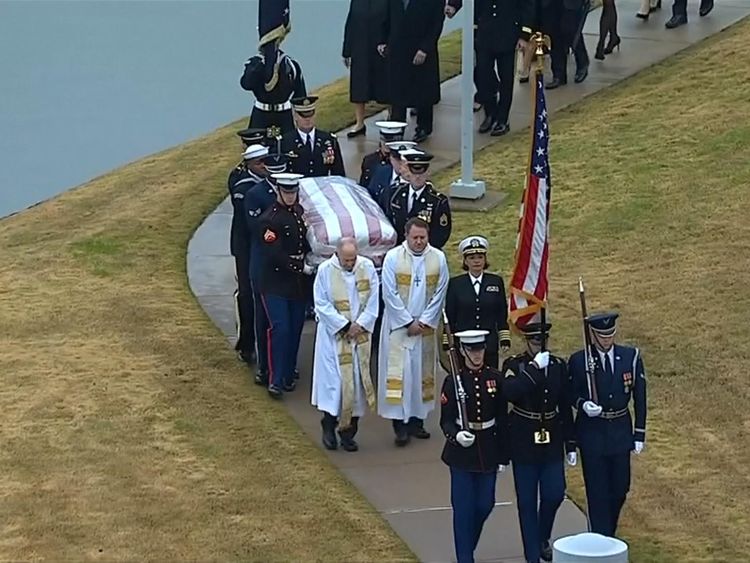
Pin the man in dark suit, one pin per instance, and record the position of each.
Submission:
(569, 37)
(605, 431)
(416, 197)
(313, 152)
(414, 27)
(497, 24)
(371, 163)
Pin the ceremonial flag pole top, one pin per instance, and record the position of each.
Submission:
(467, 187)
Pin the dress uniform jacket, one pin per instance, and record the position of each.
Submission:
(612, 432)
(532, 395)
(432, 206)
(240, 181)
(284, 237)
(371, 163)
(257, 199)
(325, 159)
(487, 311)
(487, 414)
(496, 23)
(274, 110)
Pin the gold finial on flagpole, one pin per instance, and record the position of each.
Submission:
(539, 45)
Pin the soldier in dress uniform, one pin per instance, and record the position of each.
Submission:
(257, 199)
(416, 197)
(284, 283)
(312, 152)
(540, 431)
(241, 179)
(253, 136)
(273, 110)
(473, 419)
(371, 163)
(387, 177)
(476, 299)
(604, 428)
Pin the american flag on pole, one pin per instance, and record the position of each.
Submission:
(528, 286)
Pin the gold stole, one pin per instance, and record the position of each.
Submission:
(396, 352)
(345, 348)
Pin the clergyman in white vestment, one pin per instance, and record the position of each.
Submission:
(414, 281)
(346, 294)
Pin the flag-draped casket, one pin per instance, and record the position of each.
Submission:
(337, 207)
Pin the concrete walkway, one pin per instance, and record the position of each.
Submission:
(410, 486)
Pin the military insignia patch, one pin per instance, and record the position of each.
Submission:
(510, 373)
(493, 288)
(269, 236)
(443, 399)
(443, 220)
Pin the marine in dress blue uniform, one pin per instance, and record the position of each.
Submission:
(605, 430)
(371, 163)
(284, 281)
(476, 452)
(257, 199)
(476, 299)
(416, 197)
(313, 152)
(540, 432)
(273, 109)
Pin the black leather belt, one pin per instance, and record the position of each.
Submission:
(531, 415)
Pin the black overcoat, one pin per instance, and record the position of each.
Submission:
(364, 30)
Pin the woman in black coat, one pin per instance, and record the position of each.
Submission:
(364, 41)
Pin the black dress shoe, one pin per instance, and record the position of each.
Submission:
(706, 7)
(356, 132)
(328, 423)
(289, 387)
(416, 429)
(420, 136)
(249, 358)
(275, 392)
(349, 444)
(676, 21)
(500, 129)
(581, 74)
(523, 80)
(261, 378)
(644, 17)
(555, 83)
(546, 551)
(402, 433)
(487, 124)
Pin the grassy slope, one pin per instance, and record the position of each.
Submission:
(127, 429)
(650, 206)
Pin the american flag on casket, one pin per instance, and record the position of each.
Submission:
(337, 207)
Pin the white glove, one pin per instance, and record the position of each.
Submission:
(465, 438)
(501, 468)
(592, 409)
(541, 360)
(572, 458)
(308, 270)
(638, 447)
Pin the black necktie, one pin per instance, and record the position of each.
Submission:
(476, 286)
(413, 201)
(607, 365)
(309, 143)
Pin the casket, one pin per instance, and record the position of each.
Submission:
(337, 207)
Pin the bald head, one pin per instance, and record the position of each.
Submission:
(346, 252)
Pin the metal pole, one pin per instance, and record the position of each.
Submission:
(467, 187)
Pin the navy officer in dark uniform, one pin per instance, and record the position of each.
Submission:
(241, 179)
(388, 177)
(473, 418)
(312, 152)
(416, 197)
(374, 161)
(540, 432)
(273, 110)
(605, 431)
(257, 199)
(284, 280)
(477, 299)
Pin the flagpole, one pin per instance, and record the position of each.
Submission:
(467, 187)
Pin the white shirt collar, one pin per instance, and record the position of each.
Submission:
(303, 136)
(473, 279)
(413, 190)
(611, 354)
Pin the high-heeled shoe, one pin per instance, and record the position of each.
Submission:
(612, 44)
(644, 17)
(356, 132)
(657, 6)
(599, 55)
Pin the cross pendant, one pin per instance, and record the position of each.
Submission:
(416, 281)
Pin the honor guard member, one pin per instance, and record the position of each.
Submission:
(371, 163)
(241, 179)
(257, 199)
(313, 152)
(387, 177)
(473, 418)
(253, 136)
(540, 431)
(416, 197)
(476, 299)
(604, 430)
(273, 109)
(284, 281)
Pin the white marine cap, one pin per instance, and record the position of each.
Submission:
(287, 181)
(470, 337)
(391, 127)
(254, 151)
(401, 145)
(473, 245)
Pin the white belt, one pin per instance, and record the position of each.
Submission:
(479, 425)
(273, 107)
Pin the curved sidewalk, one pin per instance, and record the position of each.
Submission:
(410, 486)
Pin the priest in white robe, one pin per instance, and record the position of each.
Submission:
(414, 279)
(346, 296)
